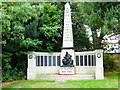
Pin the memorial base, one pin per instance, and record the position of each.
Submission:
(66, 70)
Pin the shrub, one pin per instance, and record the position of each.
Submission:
(110, 62)
(11, 68)
(13, 74)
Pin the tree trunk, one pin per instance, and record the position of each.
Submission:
(96, 40)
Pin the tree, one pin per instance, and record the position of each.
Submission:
(81, 39)
(100, 16)
(27, 27)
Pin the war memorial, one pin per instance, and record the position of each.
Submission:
(67, 64)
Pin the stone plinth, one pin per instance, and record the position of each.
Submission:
(64, 77)
(66, 70)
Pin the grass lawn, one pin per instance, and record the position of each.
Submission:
(110, 82)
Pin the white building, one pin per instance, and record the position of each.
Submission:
(111, 41)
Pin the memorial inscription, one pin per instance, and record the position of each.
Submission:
(66, 70)
(67, 32)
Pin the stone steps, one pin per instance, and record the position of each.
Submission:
(65, 77)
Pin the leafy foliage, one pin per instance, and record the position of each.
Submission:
(111, 63)
(13, 74)
(81, 39)
(27, 27)
(100, 16)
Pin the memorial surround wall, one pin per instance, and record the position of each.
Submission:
(43, 65)
(49, 66)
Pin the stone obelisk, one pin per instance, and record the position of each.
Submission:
(67, 45)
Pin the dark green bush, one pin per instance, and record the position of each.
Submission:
(13, 74)
(110, 62)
